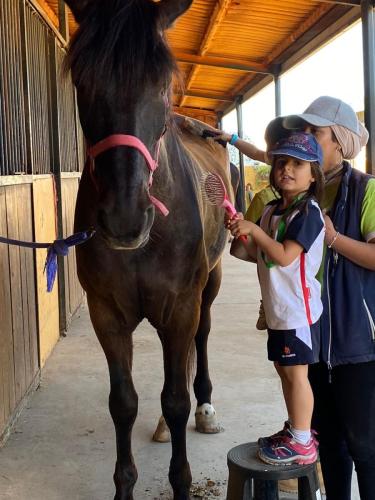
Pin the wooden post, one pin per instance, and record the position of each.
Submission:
(368, 32)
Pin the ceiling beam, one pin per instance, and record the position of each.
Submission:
(216, 18)
(350, 3)
(201, 94)
(222, 62)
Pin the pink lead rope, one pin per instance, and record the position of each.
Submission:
(115, 140)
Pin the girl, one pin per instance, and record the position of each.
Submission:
(287, 246)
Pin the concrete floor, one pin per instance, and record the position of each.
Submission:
(63, 444)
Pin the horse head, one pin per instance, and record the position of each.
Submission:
(122, 68)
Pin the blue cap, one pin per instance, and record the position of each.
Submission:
(299, 145)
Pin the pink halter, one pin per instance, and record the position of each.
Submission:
(115, 140)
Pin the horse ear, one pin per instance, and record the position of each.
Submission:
(79, 8)
(170, 10)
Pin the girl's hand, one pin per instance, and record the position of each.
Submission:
(228, 219)
(239, 227)
(330, 230)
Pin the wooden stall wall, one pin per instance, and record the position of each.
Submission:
(19, 364)
(40, 140)
(73, 290)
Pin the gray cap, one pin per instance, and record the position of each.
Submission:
(325, 112)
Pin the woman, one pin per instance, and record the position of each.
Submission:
(344, 381)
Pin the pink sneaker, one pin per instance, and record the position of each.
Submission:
(288, 451)
(274, 438)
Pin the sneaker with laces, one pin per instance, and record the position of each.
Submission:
(261, 324)
(288, 451)
(274, 438)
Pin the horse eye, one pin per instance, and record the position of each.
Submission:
(163, 92)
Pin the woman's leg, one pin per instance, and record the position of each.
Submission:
(335, 460)
(298, 395)
(354, 387)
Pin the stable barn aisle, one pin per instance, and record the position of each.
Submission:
(63, 445)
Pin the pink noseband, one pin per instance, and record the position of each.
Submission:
(115, 140)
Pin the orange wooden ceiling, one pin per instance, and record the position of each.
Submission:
(228, 48)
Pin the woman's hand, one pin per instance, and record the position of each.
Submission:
(330, 230)
(221, 136)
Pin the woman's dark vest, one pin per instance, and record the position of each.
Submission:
(348, 320)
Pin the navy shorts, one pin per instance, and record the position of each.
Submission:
(294, 347)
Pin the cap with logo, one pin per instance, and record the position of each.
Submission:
(299, 145)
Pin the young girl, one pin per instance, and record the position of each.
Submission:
(287, 246)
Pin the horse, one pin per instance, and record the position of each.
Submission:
(143, 263)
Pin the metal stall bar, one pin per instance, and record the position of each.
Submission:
(54, 74)
(368, 32)
(241, 187)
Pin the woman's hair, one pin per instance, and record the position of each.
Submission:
(316, 188)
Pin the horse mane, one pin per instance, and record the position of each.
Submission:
(120, 41)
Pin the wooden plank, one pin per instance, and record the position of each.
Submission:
(7, 389)
(23, 200)
(45, 230)
(25, 224)
(16, 294)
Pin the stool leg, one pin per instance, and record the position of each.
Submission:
(265, 490)
(308, 486)
(236, 485)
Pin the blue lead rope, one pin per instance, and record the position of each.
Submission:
(58, 247)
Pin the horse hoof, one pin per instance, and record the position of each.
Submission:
(162, 433)
(206, 420)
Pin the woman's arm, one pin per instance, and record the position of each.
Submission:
(359, 252)
(244, 147)
(282, 254)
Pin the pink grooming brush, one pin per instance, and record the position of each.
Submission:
(216, 193)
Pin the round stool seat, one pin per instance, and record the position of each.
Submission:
(245, 456)
(252, 479)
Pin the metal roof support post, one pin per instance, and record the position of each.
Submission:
(63, 20)
(241, 187)
(220, 120)
(368, 32)
(276, 79)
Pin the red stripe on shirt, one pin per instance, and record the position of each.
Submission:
(305, 289)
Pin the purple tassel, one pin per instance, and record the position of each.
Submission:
(61, 247)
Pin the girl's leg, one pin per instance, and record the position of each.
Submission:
(336, 462)
(298, 395)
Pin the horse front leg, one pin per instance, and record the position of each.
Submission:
(175, 398)
(205, 415)
(116, 339)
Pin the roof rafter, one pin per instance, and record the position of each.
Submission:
(218, 15)
(222, 62)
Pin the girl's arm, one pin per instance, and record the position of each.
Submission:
(282, 254)
(360, 252)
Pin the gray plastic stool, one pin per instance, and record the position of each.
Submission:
(251, 479)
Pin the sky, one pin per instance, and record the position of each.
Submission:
(335, 70)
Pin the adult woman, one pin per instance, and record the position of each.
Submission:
(344, 381)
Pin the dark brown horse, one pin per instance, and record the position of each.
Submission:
(142, 264)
